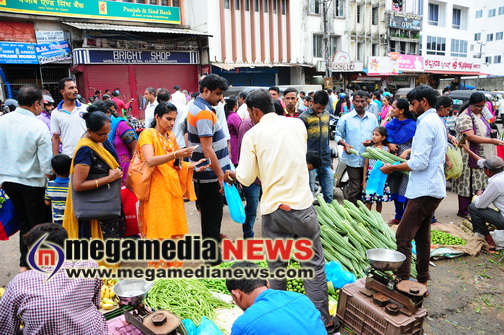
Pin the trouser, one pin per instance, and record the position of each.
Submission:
(464, 203)
(31, 210)
(210, 203)
(400, 207)
(326, 179)
(300, 224)
(479, 217)
(252, 194)
(415, 225)
(355, 183)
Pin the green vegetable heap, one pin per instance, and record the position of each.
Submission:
(442, 238)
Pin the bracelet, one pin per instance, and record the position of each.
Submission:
(96, 181)
(175, 154)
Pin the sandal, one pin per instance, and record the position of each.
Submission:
(333, 326)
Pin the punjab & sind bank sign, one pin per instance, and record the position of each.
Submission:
(94, 9)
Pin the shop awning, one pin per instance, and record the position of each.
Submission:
(458, 73)
(137, 29)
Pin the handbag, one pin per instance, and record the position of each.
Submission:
(139, 177)
(103, 203)
(8, 223)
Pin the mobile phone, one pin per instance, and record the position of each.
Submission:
(195, 147)
(204, 163)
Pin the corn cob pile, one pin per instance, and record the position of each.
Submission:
(348, 231)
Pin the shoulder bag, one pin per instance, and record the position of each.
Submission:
(139, 177)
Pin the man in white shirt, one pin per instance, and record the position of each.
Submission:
(25, 143)
(178, 96)
(179, 128)
(150, 96)
(494, 193)
(274, 150)
(67, 124)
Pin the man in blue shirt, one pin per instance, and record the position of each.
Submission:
(355, 130)
(427, 183)
(270, 311)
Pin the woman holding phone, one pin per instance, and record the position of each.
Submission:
(162, 216)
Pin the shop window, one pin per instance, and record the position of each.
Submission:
(420, 7)
(436, 45)
(274, 6)
(479, 13)
(247, 5)
(283, 7)
(152, 2)
(314, 6)
(412, 49)
(226, 4)
(339, 8)
(237, 4)
(433, 14)
(498, 36)
(334, 44)
(457, 13)
(374, 51)
(497, 59)
(491, 12)
(266, 6)
(360, 51)
(501, 10)
(358, 13)
(489, 37)
(458, 48)
(164, 2)
(256, 5)
(317, 45)
(140, 1)
(374, 16)
(488, 60)
(477, 37)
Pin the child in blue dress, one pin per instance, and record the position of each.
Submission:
(379, 137)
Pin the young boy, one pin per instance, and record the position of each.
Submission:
(57, 189)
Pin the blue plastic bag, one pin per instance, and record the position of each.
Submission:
(207, 327)
(190, 327)
(338, 276)
(234, 203)
(376, 180)
(8, 223)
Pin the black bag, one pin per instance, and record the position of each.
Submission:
(103, 203)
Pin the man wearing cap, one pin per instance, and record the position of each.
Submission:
(494, 193)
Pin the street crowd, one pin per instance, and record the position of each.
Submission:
(83, 167)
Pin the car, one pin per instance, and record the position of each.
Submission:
(460, 97)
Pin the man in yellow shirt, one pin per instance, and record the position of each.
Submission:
(274, 151)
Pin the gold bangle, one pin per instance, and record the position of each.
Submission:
(96, 181)
(175, 154)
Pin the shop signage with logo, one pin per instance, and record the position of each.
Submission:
(95, 56)
(94, 9)
(450, 64)
(49, 36)
(404, 21)
(341, 62)
(18, 53)
(31, 53)
(394, 64)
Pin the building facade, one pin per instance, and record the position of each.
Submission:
(125, 45)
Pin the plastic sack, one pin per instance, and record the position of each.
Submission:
(498, 237)
(234, 203)
(338, 276)
(190, 327)
(376, 180)
(8, 223)
(207, 327)
(455, 156)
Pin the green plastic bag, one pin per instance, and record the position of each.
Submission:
(455, 156)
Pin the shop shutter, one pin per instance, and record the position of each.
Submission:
(166, 76)
(102, 77)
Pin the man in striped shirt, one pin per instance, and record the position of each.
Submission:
(57, 189)
(206, 133)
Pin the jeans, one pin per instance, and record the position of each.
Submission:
(303, 223)
(252, 194)
(326, 179)
(210, 202)
(479, 217)
(30, 209)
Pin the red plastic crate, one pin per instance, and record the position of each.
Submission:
(361, 315)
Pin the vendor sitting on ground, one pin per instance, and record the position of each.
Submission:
(494, 193)
(56, 306)
(269, 311)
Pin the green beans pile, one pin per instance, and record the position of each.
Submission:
(439, 237)
(215, 285)
(186, 298)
